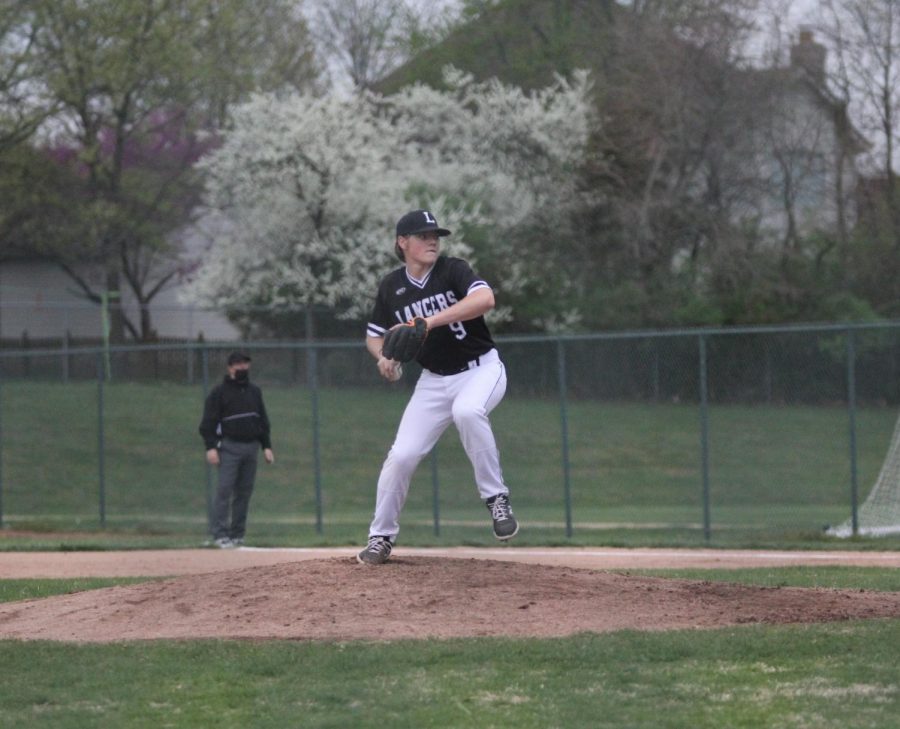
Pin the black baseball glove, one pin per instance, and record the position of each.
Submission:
(403, 342)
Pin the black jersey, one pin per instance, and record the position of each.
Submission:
(235, 410)
(448, 349)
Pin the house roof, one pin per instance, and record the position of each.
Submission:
(810, 77)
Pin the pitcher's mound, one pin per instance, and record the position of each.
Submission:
(419, 597)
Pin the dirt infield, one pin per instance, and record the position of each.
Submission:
(171, 562)
(421, 593)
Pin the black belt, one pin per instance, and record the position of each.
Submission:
(470, 365)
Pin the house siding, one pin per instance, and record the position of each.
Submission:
(39, 302)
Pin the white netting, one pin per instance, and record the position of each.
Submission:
(879, 514)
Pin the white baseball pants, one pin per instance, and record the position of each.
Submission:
(466, 399)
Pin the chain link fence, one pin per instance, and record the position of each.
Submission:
(706, 435)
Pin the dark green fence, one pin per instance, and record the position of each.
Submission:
(725, 435)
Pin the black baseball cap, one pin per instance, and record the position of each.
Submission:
(419, 221)
(238, 358)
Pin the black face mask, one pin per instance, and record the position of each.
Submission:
(242, 375)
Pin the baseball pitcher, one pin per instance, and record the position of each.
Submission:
(432, 310)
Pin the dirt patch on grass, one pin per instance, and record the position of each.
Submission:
(419, 597)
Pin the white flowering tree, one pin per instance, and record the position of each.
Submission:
(305, 191)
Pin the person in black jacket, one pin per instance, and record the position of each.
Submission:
(234, 426)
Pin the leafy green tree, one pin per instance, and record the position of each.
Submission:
(118, 74)
(864, 38)
(307, 190)
(363, 40)
(21, 108)
(35, 202)
(698, 160)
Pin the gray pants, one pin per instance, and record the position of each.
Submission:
(237, 473)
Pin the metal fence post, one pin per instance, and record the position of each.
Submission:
(66, 337)
(1, 448)
(564, 428)
(704, 439)
(312, 365)
(204, 368)
(65, 355)
(656, 381)
(435, 492)
(189, 352)
(851, 414)
(101, 441)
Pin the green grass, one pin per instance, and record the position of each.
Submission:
(832, 577)
(31, 589)
(777, 474)
(840, 675)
